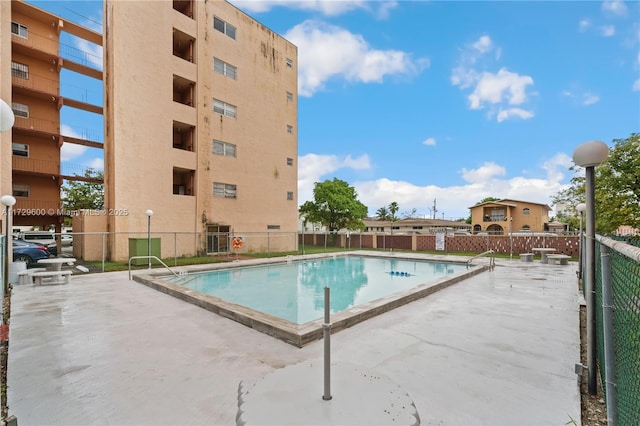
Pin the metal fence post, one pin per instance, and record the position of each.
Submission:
(607, 325)
(327, 344)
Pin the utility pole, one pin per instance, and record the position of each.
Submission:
(435, 210)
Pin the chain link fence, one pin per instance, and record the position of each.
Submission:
(624, 278)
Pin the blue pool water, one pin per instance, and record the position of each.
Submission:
(295, 291)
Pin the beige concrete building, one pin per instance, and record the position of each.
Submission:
(200, 125)
(30, 75)
(506, 216)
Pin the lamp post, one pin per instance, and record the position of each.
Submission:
(7, 118)
(149, 214)
(8, 201)
(580, 208)
(589, 155)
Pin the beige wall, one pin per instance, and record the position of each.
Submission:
(139, 154)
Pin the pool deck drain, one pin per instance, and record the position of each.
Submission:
(497, 349)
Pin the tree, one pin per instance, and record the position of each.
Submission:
(382, 214)
(335, 206)
(393, 209)
(617, 187)
(84, 195)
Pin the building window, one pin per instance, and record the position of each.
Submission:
(19, 70)
(289, 161)
(224, 27)
(20, 149)
(224, 108)
(224, 190)
(224, 148)
(21, 190)
(417, 227)
(19, 29)
(289, 63)
(525, 211)
(20, 110)
(289, 128)
(526, 228)
(221, 67)
(273, 226)
(290, 195)
(289, 97)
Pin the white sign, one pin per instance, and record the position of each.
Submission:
(440, 241)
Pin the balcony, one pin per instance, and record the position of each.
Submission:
(33, 166)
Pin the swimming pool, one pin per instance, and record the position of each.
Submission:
(285, 298)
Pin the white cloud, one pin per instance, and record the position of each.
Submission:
(484, 173)
(615, 7)
(590, 99)
(96, 164)
(326, 51)
(429, 142)
(488, 180)
(583, 25)
(505, 114)
(93, 52)
(498, 88)
(313, 167)
(69, 151)
(636, 85)
(327, 8)
(491, 90)
(608, 30)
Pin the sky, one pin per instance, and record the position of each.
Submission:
(436, 105)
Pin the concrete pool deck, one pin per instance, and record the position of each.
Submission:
(496, 349)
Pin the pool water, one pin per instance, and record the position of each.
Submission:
(295, 291)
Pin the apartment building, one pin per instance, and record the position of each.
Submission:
(32, 61)
(200, 127)
(506, 216)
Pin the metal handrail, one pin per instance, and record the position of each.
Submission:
(150, 257)
(492, 260)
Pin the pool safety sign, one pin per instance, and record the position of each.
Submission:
(440, 241)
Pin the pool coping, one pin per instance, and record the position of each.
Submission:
(302, 334)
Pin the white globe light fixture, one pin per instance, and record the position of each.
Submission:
(7, 118)
(589, 155)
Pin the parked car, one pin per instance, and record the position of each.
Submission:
(30, 253)
(45, 238)
(67, 240)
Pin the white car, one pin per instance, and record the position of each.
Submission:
(67, 240)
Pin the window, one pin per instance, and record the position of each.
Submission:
(21, 190)
(417, 227)
(19, 70)
(224, 148)
(224, 190)
(224, 27)
(224, 68)
(290, 195)
(20, 110)
(289, 97)
(224, 108)
(19, 29)
(273, 226)
(20, 149)
(289, 128)
(289, 161)
(525, 211)
(289, 63)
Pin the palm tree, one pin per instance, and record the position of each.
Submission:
(393, 209)
(382, 214)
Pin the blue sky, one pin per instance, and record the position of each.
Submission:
(452, 101)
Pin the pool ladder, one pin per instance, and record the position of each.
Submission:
(489, 253)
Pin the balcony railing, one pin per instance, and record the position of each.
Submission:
(494, 218)
(37, 124)
(24, 164)
(37, 41)
(38, 83)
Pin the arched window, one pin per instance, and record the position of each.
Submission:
(495, 229)
(526, 228)
(477, 228)
(526, 211)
